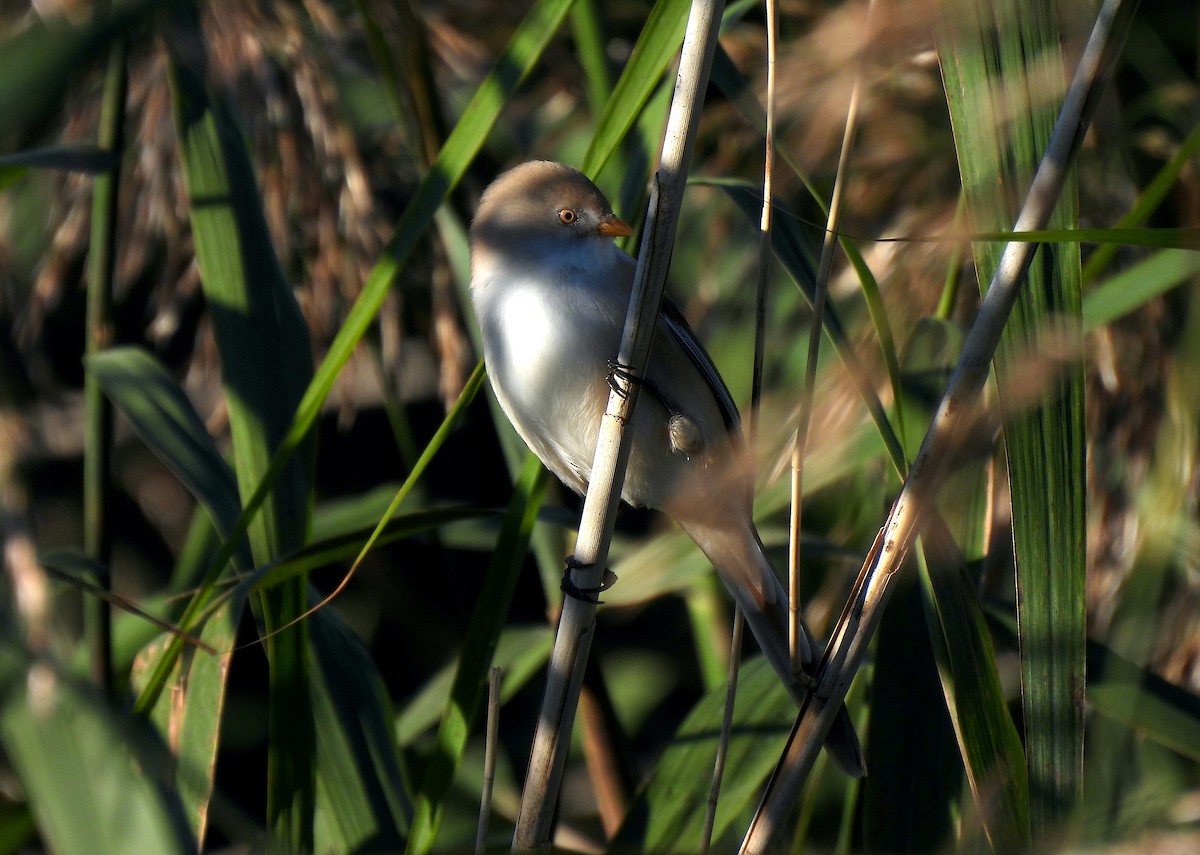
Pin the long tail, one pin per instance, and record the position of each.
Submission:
(739, 558)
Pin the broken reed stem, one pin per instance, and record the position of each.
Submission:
(577, 623)
(848, 648)
(764, 233)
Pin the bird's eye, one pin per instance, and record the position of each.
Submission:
(566, 216)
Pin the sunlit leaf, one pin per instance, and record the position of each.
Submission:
(91, 775)
(988, 51)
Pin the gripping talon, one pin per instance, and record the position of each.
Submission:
(618, 371)
(586, 595)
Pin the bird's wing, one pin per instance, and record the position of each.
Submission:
(677, 326)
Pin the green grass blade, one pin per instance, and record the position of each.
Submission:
(83, 159)
(363, 801)
(37, 63)
(1135, 286)
(668, 813)
(203, 707)
(1176, 238)
(915, 778)
(261, 336)
(589, 37)
(89, 775)
(348, 545)
(189, 717)
(521, 652)
(1144, 702)
(1147, 202)
(162, 415)
(98, 413)
(949, 615)
(657, 45)
(266, 362)
(479, 648)
(792, 252)
(709, 620)
(987, 52)
(464, 142)
(987, 737)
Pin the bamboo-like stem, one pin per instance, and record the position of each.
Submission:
(98, 413)
(852, 637)
(577, 623)
(491, 736)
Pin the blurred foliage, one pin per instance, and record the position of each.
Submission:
(352, 140)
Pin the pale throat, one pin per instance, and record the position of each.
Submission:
(560, 321)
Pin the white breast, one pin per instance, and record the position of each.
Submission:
(547, 339)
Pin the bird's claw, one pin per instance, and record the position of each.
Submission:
(618, 371)
(586, 595)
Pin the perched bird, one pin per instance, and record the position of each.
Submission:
(551, 290)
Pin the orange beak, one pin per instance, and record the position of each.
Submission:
(613, 227)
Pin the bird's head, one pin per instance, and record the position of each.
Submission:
(540, 207)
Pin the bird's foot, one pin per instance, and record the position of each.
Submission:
(618, 371)
(586, 595)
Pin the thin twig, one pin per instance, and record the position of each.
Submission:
(714, 793)
(102, 594)
(764, 232)
(577, 623)
(852, 636)
(821, 288)
(765, 254)
(491, 735)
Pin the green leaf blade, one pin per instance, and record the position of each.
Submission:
(989, 52)
(90, 775)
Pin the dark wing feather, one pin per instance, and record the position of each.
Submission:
(677, 325)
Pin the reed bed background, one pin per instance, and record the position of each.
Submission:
(234, 339)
